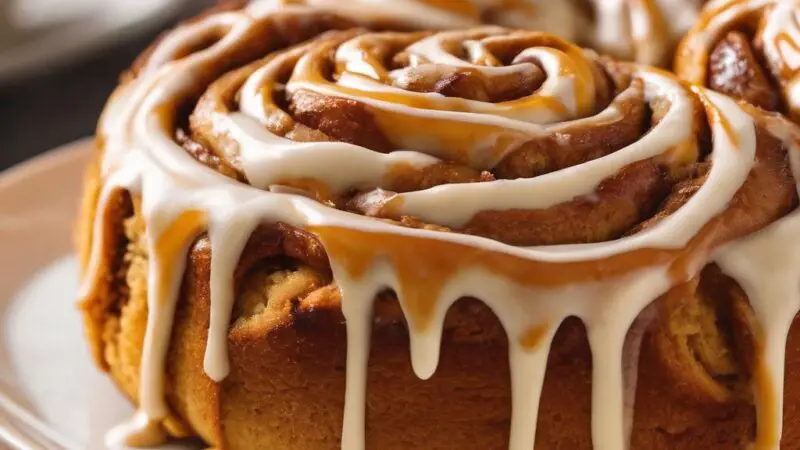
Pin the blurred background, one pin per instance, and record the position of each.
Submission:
(60, 60)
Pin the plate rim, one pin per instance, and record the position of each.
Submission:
(20, 428)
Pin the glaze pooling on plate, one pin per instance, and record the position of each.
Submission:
(531, 289)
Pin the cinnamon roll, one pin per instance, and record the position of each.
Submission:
(306, 237)
(746, 49)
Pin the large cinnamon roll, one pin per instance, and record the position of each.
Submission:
(746, 49)
(288, 228)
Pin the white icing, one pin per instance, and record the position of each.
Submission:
(138, 431)
(769, 272)
(228, 237)
(527, 378)
(558, 86)
(613, 25)
(607, 324)
(142, 157)
(559, 187)
(268, 158)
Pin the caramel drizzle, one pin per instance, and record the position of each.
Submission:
(767, 436)
(717, 116)
(452, 139)
(424, 265)
(572, 64)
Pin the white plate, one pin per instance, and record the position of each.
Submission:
(53, 32)
(51, 394)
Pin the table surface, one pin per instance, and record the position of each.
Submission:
(44, 111)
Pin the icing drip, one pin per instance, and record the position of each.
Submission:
(530, 289)
(169, 239)
(630, 364)
(357, 311)
(229, 235)
(769, 272)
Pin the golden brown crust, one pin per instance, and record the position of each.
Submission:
(735, 71)
(106, 293)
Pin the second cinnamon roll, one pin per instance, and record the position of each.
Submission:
(746, 49)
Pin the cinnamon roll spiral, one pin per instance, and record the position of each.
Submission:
(284, 204)
(462, 109)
